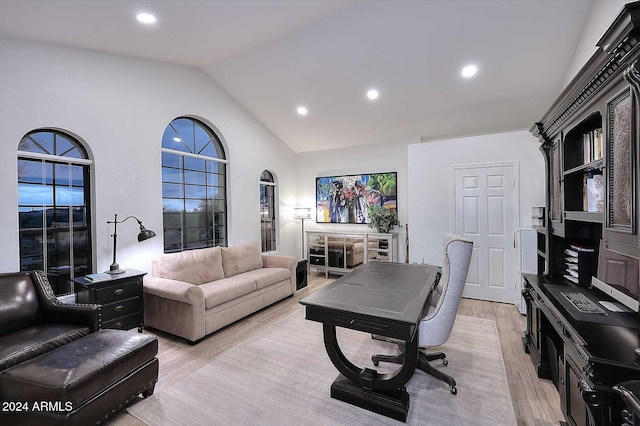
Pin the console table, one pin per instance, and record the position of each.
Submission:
(386, 299)
(338, 252)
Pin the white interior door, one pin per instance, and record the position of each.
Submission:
(485, 213)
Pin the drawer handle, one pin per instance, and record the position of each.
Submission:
(119, 308)
(119, 324)
(118, 292)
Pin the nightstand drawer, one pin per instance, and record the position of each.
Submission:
(123, 323)
(123, 290)
(120, 308)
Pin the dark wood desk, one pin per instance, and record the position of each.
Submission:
(585, 355)
(386, 299)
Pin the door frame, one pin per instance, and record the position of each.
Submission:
(515, 168)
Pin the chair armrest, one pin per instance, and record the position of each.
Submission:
(57, 312)
(179, 291)
(81, 314)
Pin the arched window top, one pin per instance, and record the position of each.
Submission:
(52, 142)
(266, 176)
(192, 136)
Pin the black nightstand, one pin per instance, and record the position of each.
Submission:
(120, 297)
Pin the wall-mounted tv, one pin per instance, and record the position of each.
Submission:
(346, 199)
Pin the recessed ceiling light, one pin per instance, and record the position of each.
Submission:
(302, 110)
(373, 94)
(469, 71)
(146, 18)
(177, 139)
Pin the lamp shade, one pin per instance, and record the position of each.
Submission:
(145, 234)
(302, 212)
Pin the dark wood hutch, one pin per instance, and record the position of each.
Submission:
(587, 354)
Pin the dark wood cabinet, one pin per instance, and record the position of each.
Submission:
(121, 297)
(590, 136)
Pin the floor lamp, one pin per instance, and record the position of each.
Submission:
(302, 213)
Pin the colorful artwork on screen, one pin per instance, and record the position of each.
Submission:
(346, 199)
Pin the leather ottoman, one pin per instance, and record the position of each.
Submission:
(81, 383)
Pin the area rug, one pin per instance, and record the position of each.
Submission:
(282, 376)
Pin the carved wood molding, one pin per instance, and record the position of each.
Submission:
(632, 75)
(610, 67)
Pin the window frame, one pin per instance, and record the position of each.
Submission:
(86, 165)
(184, 185)
(269, 245)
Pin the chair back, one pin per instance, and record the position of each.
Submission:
(440, 314)
(19, 302)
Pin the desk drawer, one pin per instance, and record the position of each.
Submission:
(121, 291)
(120, 308)
(123, 323)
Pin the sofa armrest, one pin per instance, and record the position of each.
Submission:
(179, 291)
(280, 261)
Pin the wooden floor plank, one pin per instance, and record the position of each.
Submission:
(535, 401)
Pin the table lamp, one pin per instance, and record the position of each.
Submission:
(144, 234)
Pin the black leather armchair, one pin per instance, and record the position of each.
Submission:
(33, 321)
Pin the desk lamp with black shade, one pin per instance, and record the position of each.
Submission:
(144, 234)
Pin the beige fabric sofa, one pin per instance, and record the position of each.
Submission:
(194, 293)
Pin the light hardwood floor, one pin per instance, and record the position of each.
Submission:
(535, 401)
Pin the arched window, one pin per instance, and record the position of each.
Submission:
(54, 207)
(268, 229)
(194, 200)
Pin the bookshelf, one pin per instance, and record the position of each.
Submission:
(590, 141)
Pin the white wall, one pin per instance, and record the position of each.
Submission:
(430, 183)
(377, 158)
(601, 16)
(120, 107)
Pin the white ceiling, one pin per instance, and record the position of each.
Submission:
(275, 55)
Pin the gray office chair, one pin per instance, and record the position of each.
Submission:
(440, 311)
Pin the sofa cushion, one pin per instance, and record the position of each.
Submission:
(239, 259)
(192, 266)
(264, 277)
(30, 342)
(222, 291)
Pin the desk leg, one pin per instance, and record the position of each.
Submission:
(381, 393)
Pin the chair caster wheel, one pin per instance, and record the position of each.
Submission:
(453, 389)
(445, 362)
(376, 363)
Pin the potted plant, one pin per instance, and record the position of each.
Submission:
(383, 220)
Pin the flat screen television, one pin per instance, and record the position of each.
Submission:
(618, 277)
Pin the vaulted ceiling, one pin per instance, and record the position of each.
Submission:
(274, 56)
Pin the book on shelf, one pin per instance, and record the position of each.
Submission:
(593, 193)
(592, 146)
(100, 276)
